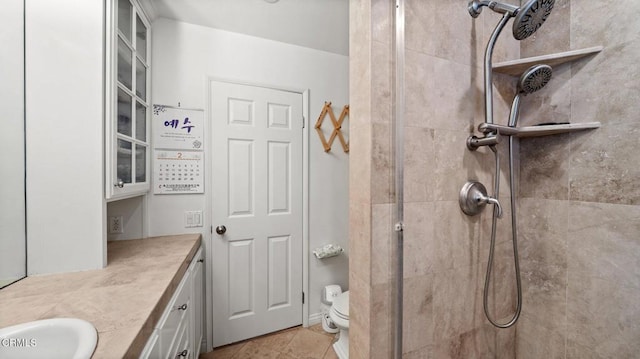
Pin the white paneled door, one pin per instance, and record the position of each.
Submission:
(257, 210)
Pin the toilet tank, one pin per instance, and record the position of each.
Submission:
(330, 293)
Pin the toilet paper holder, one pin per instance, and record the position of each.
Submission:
(327, 251)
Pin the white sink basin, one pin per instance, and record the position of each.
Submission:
(49, 338)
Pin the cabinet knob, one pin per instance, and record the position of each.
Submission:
(182, 307)
(182, 354)
(119, 184)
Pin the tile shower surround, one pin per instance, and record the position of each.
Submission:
(579, 210)
(580, 198)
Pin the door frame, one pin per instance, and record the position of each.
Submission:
(208, 239)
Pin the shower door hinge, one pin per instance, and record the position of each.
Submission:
(398, 227)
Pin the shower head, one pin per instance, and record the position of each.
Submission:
(532, 80)
(530, 17)
(535, 78)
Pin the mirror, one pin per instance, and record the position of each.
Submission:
(13, 246)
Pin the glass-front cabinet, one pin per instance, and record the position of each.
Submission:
(128, 101)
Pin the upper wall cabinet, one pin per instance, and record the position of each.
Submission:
(127, 139)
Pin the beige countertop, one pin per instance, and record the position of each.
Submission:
(123, 301)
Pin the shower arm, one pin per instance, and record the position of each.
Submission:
(488, 78)
(475, 7)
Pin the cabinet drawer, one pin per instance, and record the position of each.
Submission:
(178, 310)
(169, 332)
(181, 347)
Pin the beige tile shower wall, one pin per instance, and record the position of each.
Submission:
(580, 206)
(371, 182)
(445, 251)
(360, 177)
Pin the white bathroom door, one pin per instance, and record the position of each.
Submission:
(257, 198)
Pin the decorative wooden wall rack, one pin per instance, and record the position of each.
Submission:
(337, 127)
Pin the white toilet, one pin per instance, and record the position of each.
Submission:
(339, 314)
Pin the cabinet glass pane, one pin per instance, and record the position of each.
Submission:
(124, 161)
(124, 18)
(141, 122)
(141, 80)
(124, 113)
(124, 64)
(141, 39)
(141, 164)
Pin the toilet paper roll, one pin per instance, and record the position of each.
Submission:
(326, 251)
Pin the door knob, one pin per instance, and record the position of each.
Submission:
(221, 229)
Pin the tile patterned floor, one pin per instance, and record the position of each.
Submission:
(294, 343)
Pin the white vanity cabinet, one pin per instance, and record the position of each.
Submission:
(178, 333)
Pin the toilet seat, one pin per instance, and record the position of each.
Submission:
(339, 311)
(341, 304)
(339, 314)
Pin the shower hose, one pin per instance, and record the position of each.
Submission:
(514, 238)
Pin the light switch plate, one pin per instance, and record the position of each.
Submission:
(192, 219)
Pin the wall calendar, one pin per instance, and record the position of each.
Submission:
(178, 172)
(178, 141)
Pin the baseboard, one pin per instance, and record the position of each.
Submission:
(315, 318)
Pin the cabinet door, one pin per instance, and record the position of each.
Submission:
(197, 300)
(127, 142)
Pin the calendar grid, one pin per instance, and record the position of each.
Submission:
(178, 172)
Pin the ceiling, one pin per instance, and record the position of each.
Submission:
(317, 24)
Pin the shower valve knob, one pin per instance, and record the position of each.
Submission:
(473, 198)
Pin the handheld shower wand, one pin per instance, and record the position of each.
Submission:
(532, 80)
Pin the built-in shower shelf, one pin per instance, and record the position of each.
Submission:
(517, 67)
(543, 130)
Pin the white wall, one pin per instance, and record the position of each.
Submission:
(12, 215)
(64, 127)
(184, 55)
(133, 220)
